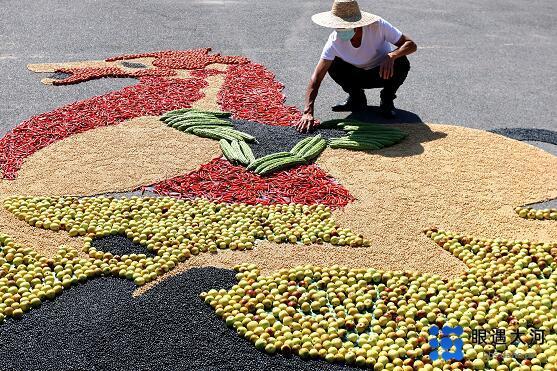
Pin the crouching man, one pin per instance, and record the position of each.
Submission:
(363, 52)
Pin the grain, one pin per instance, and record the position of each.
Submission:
(110, 159)
(468, 181)
(115, 158)
(464, 180)
(209, 100)
(43, 241)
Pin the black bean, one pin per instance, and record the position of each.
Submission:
(274, 139)
(100, 326)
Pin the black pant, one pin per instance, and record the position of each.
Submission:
(352, 79)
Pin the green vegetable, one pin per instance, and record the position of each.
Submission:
(378, 136)
(238, 153)
(315, 150)
(214, 113)
(296, 149)
(239, 134)
(282, 164)
(192, 113)
(365, 136)
(272, 156)
(334, 124)
(212, 134)
(207, 120)
(309, 145)
(189, 128)
(171, 114)
(246, 150)
(352, 144)
(366, 127)
(185, 125)
(378, 143)
(268, 163)
(227, 150)
(174, 120)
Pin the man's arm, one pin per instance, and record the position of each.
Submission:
(307, 122)
(405, 46)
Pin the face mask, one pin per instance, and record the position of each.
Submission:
(346, 35)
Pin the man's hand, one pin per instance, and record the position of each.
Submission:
(306, 123)
(386, 69)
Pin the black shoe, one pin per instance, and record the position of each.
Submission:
(355, 102)
(387, 108)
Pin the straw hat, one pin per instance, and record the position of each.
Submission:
(344, 14)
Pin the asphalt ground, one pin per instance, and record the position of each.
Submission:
(480, 64)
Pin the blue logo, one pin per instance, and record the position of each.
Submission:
(443, 348)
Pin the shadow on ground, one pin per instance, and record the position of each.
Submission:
(418, 132)
(372, 114)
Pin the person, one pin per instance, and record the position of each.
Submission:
(363, 52)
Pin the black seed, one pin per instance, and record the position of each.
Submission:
(133, 65)
(100, 326)
(527, 134)
(119, 245)
(274, 139)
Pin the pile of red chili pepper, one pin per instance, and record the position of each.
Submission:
(204, 73)
(152, 96)
(78, 75)
(221, 181)
(251, 92)
(184, 59)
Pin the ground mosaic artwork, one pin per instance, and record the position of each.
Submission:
(399, 247)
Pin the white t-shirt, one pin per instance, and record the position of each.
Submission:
(377, 40)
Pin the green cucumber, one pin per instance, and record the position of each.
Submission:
(378, 143)
(300, 144)
(377, 133)
(175, 112)
(315, 150)
(165, 119)
(272, 156)
(191, 128)
(246, 151)
(268, 163)
(211, 134)
(227, 150)
(351, 144)
(239, 134)
(282, 165)
(207, 120)
(174, 120)
(316, 139)
(375, 137)
(182, 125)
(238, 153)
(214, 113)
(335, 123)
(308, 145)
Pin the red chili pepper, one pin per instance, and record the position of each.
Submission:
(219, 180)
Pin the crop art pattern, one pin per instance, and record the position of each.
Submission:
(370, 317)
(325, 230)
